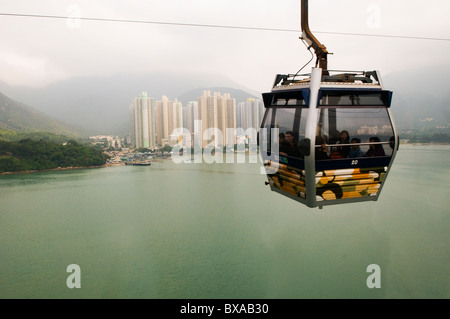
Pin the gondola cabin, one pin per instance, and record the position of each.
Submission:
(328, 138)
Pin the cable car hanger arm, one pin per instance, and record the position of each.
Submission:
(319, 48)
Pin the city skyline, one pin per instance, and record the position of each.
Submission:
(153, 122)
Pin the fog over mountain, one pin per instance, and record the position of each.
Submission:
(420, 95)
(16, 116)
(100, 104)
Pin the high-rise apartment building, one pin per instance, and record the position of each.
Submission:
(142, 126)
(250, 113)
(168, 116)
(217, 111)
(190, 114)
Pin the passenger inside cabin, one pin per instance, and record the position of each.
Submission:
(342, 151)
(291, 146)
(355, 150)
(334, 136)
(375, 149)
(344, 138)
(321, 152)
(392, 142)
(282, 144)
(325, 139)
(281, 138)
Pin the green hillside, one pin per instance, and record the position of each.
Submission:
(18, 117)
(31, 155)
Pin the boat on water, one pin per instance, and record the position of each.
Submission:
(138, 163)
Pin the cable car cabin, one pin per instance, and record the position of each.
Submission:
(339, 137)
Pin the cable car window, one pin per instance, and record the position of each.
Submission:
(355, 98)
(267, 125)
(301, 128)
(291, 123)
(288, 99)
(367, 132)
(284, 119)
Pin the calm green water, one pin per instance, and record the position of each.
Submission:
(216, 231)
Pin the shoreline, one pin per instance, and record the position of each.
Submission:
(62, 169)
(160, 160)
(421, 144)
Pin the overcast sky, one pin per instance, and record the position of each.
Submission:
(38, 51)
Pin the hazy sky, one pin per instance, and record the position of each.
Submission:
(38, 51)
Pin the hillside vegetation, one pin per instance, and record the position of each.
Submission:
(30, 155)
(15, 116)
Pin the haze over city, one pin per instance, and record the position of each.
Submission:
(38, 51)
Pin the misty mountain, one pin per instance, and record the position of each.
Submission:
(100, 104)
(17, 116)
(421, 97)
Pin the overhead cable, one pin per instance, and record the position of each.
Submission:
(217, 26)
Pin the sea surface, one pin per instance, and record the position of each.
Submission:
(217, 231)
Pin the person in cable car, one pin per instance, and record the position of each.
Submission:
(375, 149)
(344, 138)
(321, 152)
(283, 145)
(355, 150)
(342, 151)
(392, 142)
(291, 147)
(334, 136)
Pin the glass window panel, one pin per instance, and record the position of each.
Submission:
(284, 119)
(360, 123)
(266, 125)
(291, 120)
(354, 98)
(302, 126)
(288, 98)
